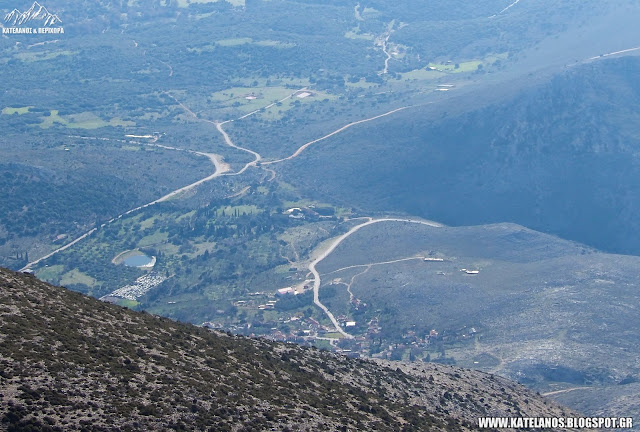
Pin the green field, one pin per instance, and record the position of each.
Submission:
(14, 110)
(274, 44)
(50, 273)
(30, 57)
(467, 66)
(334, 335)
(355, 34)
(234, 41)
(154, 239)
(85, 120)
(77, 277)
(250, 98)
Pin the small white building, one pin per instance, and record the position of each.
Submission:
(286, 291)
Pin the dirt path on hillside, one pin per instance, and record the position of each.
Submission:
(615, 53)
(505, 9)
(375, 264)
(551, 393)
(335, 132)
(316, 276)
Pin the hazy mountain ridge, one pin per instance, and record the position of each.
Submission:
(69, 361)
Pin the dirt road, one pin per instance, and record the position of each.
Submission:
(335, 132)
(332, 247)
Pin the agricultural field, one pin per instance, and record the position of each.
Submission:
(81, 121)
(16, 110)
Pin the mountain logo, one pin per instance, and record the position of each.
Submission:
(36, 14)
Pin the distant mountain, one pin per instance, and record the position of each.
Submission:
(70, 362)
(36, 12)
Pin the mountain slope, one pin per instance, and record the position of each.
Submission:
(559, 158)
(551, 313)
(69, 361)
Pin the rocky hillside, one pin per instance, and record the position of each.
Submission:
(70, 362)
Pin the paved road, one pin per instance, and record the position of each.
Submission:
(332, 247)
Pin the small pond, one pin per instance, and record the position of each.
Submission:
(138, 261)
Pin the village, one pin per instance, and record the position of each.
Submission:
(301, 326)
(289, 315)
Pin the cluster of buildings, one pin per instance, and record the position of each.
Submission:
(260, 319)
(140, 287)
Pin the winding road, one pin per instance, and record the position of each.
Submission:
(230, 143)
(316, 276)
(221, 168)
(384, 50)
